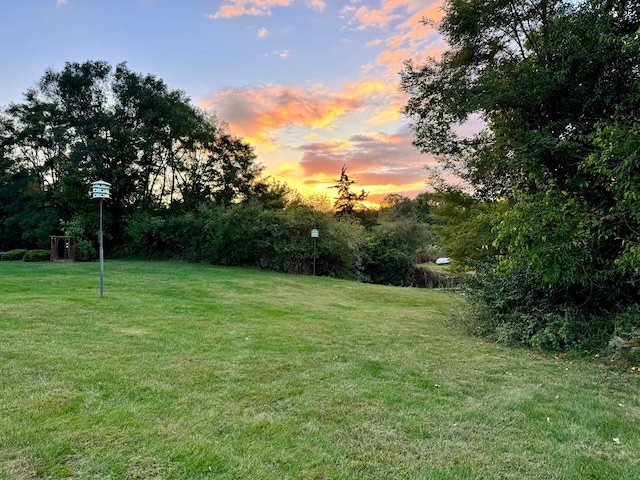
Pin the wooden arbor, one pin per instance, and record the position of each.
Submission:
(63, 248)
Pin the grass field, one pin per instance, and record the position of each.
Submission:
(191, 371)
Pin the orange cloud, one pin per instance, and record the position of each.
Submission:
(237, 8)
(380, 163)
(411, 39)
(373, 18)
(257, 113)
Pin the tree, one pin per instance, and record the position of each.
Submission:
(348, 203)
(91, 121)
(546, 77)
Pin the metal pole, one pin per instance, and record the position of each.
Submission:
(314, 256)
(101, 255)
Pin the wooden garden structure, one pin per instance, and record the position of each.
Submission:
(63, 248)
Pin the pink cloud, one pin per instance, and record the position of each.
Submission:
(257, 113)
(373, 18)
(237, 8)
(399, 41)
(318, 5)
(380, 163)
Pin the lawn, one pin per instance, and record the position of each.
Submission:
(191, 371)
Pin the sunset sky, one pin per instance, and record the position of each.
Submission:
(311, 84)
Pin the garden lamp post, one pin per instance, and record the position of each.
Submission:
(101, 191)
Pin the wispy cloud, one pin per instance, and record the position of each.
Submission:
(61, 2)
(263, 32)
(400, 41)
(318, 5)
(237, 8)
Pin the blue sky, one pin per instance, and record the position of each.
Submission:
(311, 84)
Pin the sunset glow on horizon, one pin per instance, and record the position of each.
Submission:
(312, 85)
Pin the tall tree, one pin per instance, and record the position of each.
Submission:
(92, 121)
(348, 203)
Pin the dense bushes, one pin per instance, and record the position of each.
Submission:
(169, 236)
(250, 234)
(389, 255)
(26, 255)
(13, 255)
(253, 234)
(37, 256)
(519, 308)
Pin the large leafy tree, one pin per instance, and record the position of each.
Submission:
(556, 85)
(92, 121)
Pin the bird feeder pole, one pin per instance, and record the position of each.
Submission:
(101, 190)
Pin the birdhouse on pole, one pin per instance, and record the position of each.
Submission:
(101, 190)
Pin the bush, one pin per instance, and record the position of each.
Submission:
(14, 255)
(424, 277)
(429, 254)
(164, 237)
(37, 256)
(85, 251)
(249, 234)
(389, 256)
(518, 308)
(625, 343)
(388, 265)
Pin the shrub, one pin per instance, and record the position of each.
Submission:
(518, 308)
(37, 256)
(13, 255)
(429, 254)
(424, 277)
(85, 251)
(388, 265)
(624, 345)
(389, 256)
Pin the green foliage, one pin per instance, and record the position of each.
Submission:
(429, 253)
(389, 256)
(90, 121)
(520, 308)
(85, 251)
(155, 237)
(250, 234)
(37, 256)
(555, 167)
(466, 228)
(13, 255)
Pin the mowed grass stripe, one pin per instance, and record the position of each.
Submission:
(193, 371)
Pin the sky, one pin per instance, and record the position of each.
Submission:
(312, 85)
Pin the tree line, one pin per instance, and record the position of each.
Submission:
(183, 187)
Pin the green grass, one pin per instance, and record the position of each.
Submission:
(191, 371)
